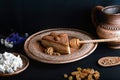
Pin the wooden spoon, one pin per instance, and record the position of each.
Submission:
(109, 61)
(75, 43)
(99, 40)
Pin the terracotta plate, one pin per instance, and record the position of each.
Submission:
(25, 65)
(34, 50)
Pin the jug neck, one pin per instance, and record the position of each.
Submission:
(111, 14)
(111, 18)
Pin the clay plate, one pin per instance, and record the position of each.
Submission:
(33, 48)
(25, 65)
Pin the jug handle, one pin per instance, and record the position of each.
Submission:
(94, 15)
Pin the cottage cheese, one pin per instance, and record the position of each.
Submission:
(9, 63)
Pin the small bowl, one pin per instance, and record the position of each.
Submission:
(19, 70)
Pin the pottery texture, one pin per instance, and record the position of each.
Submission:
(109, 25)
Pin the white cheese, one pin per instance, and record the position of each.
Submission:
(9, 62)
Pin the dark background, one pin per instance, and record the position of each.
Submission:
(35, 15)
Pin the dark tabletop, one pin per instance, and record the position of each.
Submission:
(45, 71)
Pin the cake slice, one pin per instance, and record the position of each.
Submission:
(59, 42)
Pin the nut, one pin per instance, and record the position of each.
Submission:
(56, 38)
(49, 50)
(62, 35)
(56, 53)
(53, 34)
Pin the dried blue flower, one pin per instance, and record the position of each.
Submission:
(13, 39)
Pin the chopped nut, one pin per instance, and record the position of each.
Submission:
(56, 38)
(109, 61)
(61, 35)
(53, 34)
(56, 53)
(49, 50)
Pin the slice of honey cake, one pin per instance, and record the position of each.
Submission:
(59, 42)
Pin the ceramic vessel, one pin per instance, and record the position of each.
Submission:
(107, 23)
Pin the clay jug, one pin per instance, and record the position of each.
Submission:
(107, 23)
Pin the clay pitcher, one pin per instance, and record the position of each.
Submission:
(107, 23)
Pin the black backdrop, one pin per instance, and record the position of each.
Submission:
(35, 15)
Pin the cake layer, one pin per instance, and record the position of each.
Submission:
(63, 49)
(59, 39)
